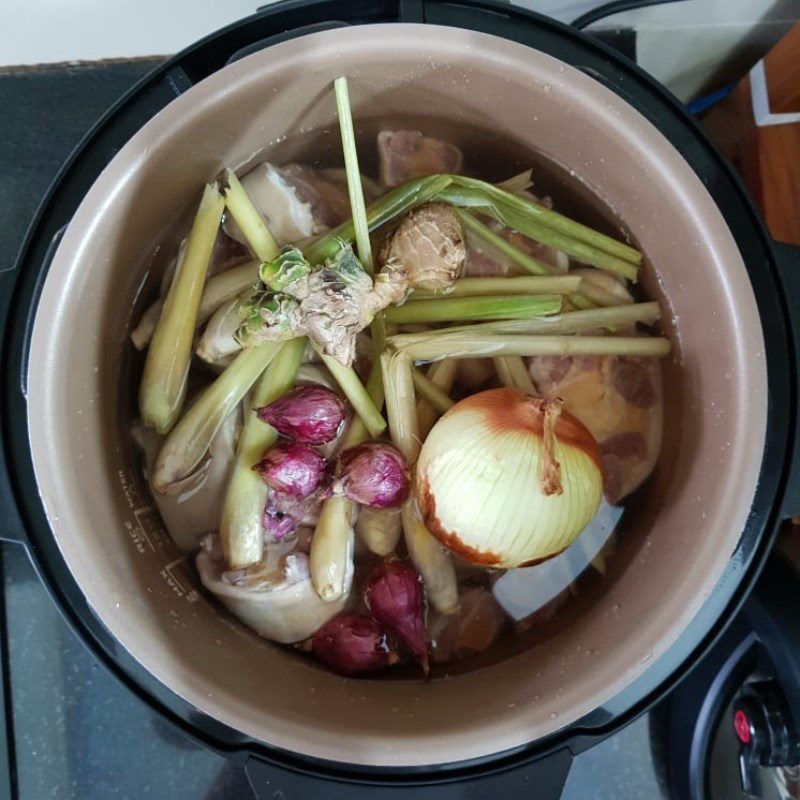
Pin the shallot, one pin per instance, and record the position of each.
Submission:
(395, 599)
(373, 474)
(353, 644)
(293, 468)
(310, 414)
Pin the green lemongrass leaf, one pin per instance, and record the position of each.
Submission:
(241, 526)
(467, 308)
(163, 386)
(432, 561)
(219, 289)
(477, 198)
(383, 210)
(246, 216)
(517, 183)
(513, 254)
(355, 190)
(554, 220)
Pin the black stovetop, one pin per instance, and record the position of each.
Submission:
(72, 730)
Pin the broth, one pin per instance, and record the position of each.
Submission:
(571, 197)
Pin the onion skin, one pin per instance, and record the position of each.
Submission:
(508, 480)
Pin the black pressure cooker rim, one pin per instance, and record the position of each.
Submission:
(19, 495)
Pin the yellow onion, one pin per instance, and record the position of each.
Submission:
(507, 480)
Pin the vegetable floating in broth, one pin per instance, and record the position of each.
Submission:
(503, 339)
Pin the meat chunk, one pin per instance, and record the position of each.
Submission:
(195, 510)
(473, 628)
(409, 154)
(619, 399)
(295, 201)
(483, 261)
(275, 598)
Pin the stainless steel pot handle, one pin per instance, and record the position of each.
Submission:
(543, 779)
(787, 260)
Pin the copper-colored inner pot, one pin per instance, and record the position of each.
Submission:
(683, 527)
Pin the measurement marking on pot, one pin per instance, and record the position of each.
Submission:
(175, 583)
(150, 523)
(139, 537)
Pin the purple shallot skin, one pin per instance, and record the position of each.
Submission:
(373, 474)
(352, 644)
(292, 468)
(277, 524)
(309, 414)
(395, 598)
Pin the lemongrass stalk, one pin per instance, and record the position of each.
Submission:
(355, 392)
(512, 373)
(466, 308)
(517, 183)
(600, 296)
(363, 245)
(431, 392)
(513, 254)
(379, 529)
(488, 287)
(246, 216)
(441, 374)
(554, 220)
(143, 332)
(480, 199)
(332, 548)
(358, 432)
(219, 289)
(400, 404)
(570, 322)
(184, 450)
(334, 518)
(508, 345)
(355, 190)
(241, 525)
(163, 388)
(219, 337)
(391, 205)
(432, 561)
